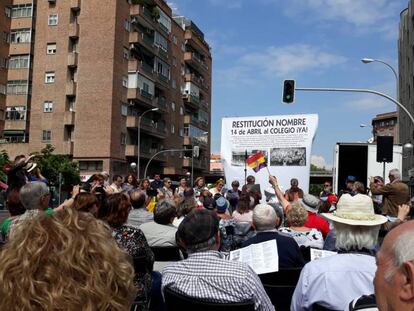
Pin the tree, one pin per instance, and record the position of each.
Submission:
(4, 159)
(52, 164)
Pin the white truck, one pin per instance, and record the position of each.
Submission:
(359, 160)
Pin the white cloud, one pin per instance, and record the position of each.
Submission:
(227, 4)
(174, 8)
(320, 161)
(278, 62)
(365, 16)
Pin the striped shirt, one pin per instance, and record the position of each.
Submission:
(208, 276)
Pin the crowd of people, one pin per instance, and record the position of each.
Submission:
(96, 250)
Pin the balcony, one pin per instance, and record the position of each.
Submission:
(162, 53)
(194, 60)
(133, 65)
(152, 128)
(142, 96)
(75, 5)
(70, 88)
(192, 100)
(204, 105)
(73, 59)
(69, 118)
(197, 163)
(131, 150)
(142, 39)
(196, 41)
(142, 15)
(18, 125)
(161, 102)
(147, 69)
(163, 81)
(189, 119)
(195, 141)
(67, 147)
(132, 122)
(74, 30)
(199, 81)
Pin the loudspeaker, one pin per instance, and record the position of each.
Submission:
(385, 146)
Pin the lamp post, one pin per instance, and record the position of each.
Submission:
(372, 60)
(139, 137)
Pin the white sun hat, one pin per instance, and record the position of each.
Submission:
(357, 210)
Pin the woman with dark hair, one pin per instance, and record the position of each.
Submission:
(133, 241)
(86, 202)
(130, 182)
(244, 213)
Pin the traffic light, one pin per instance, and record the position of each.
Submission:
(288, 96)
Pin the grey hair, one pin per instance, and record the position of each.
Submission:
(165, 211)
(31, 193)
(396, 173)
(264, 217)
(203, 246)
(356, 237)
(403, 251)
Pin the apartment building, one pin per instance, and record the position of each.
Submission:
(406, 83)
(95, 77)
(386, 124)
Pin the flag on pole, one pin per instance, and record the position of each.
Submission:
(256, 161)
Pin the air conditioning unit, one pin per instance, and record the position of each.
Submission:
(52, 1)
(131, 46)
(134, 20)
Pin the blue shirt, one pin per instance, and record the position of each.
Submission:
(333, 282)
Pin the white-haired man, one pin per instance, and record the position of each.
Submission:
(394, 279)
(334, 281)
(265, 221)
(393, 194)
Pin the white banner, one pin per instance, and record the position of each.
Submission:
(286, 142)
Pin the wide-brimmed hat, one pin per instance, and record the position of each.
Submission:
(310, 203)
(30, 166)
(357, 210)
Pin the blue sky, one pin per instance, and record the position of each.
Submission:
(256, 44)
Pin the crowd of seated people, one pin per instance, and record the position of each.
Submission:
(98, 250)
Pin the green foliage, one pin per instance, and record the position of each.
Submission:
(151, 5)
(315, 189)
(52, 164)
(4, 159)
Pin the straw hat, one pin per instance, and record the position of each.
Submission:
(357, 210)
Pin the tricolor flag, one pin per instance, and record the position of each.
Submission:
(256, 161)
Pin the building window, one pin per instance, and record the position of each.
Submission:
(3, 89)
(172, 129)
(18, 87)
(21, 10)
(19, 61)
(51, 49)
(71, 104)
(127, 25)
(50, 77)
(183, 47)
(161, 42)
(174, 61)
(48, 106)
(90, 165)
(174, 84)
(173, 106)
(174, 39)
(3, 62)
(181, 110)
(124, 81)
(20, 36)
(46, 135)
(123, 139)
(124, 109)
(52, 20)
(126, 53)
(16, 113)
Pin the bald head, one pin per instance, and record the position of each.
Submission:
(138, 198)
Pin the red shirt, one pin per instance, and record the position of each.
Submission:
(317, 222)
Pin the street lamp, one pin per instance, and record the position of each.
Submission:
(139, 136)
(371, 60)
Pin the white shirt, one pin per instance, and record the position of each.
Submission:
(334, 281)
(159, 235)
